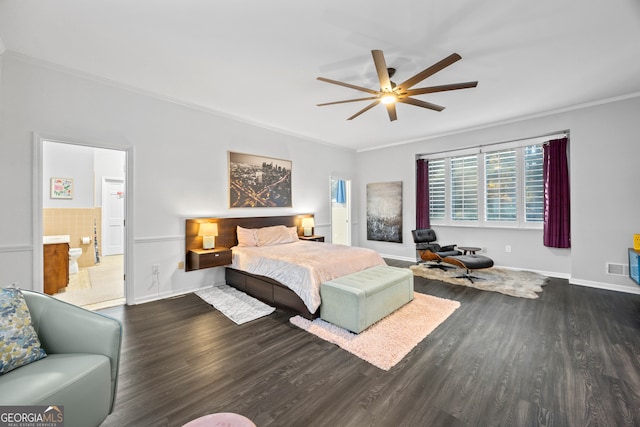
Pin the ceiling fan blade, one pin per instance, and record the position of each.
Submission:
(391, 109)
(432, 89)
(422, 104)
(360, 88)
(365, 109)
(381, 68)
(348, 100)
(429, 71)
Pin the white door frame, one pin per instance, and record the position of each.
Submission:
(37, 206)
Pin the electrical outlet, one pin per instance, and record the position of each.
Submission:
(507, 248)
(155, 269)
(181, 265)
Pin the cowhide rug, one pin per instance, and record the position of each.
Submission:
(523, 284)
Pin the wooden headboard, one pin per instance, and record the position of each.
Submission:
(227, 229)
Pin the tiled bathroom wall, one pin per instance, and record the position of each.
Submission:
(77, 223)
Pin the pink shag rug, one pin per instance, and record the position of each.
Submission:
(387, 341)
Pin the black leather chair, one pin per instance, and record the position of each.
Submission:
(429, 251)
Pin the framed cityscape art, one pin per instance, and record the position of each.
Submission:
(259, 182)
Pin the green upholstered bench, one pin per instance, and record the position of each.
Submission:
(358, 300)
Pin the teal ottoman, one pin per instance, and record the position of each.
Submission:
(358, 300)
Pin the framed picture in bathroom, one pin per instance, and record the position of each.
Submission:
(62, 188)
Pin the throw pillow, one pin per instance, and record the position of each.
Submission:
(246, 236)
(274, 235)
(293, 233)
(19, 343)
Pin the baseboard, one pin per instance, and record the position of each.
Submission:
(174, 294)
(399, 258)
(606, 286)
(543, 272)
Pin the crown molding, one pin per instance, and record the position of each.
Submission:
(177, 101)
(511, 121)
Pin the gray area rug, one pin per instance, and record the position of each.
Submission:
(236, 305)
(523, 284)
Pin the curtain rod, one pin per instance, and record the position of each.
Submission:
(550, 134)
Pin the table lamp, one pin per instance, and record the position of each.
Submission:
(208, 231)
(308, 224)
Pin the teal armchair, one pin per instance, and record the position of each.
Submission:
(80, 371)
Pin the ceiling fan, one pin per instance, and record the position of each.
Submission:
(390, 93)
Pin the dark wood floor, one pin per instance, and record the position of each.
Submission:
(570, 358)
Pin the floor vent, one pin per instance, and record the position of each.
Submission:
(617, 269)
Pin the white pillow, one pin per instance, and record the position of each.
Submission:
(273, 235)
(293, 233)
(246, 236)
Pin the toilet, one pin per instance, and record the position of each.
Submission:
(74, 254)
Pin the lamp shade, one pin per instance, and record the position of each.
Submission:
(307, 225)
(208, 231)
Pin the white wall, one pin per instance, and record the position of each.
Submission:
(604, 152)
(68, 161)
(107, 163)
(180, 167)
(180, 171)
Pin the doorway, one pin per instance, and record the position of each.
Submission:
(95, 229)
(340, 211)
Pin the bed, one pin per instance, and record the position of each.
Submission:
(286, 274)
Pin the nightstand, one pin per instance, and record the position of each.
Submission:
(207, 258)
(314, 238)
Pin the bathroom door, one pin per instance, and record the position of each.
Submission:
(113, 216)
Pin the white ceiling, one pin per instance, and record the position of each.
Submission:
(258, 60)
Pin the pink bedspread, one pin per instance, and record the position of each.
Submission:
(302, 266)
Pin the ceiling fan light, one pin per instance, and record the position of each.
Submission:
(390, 93)
(388, 98)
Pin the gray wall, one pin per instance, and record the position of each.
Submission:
(604, 153)
(180, 170)
(86, 165)
(68, 161)
(107, 164)
(179, 162)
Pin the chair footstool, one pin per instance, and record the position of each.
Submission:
(469, 263)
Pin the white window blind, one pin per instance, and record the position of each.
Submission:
(437, 189)
(499, 188)
(533, 183)
(464, 188)
(501, 175)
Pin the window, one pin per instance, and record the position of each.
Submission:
(498, 187)
(533, 183)
(464, 188)
(437, 189)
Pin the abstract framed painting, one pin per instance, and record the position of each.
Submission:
(259, 182)
(384, 211)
